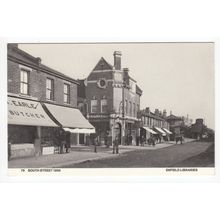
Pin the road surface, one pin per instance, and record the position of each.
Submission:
(193, 154)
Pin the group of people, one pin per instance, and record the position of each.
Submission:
(63, 142)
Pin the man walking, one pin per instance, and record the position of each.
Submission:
(115, 145)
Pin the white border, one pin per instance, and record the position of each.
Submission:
(96, 178)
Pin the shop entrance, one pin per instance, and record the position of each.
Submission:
(81, 139)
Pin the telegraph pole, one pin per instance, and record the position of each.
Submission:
(123, 111)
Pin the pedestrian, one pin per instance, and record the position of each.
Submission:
(130, 140)
(67, 142)
(62, 141)
(96, 141)
(115, 145)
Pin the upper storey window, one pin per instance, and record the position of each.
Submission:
(50, 89)
(66, 93)
(24, 81)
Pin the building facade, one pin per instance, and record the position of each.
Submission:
(154, 124)
(42, 102)
(176, 124)
(113, 101)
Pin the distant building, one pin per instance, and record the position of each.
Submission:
(113, 101)
(176, 124)
(198, 129)
(153, 123)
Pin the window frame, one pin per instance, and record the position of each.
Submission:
(92, 105)
(102, 100)
(22, 83)
(66, 94)
(50, 89)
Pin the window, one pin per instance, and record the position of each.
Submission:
(50, 89)
(104, 105)
(134, 109)
(94, 106)
(66, 92)
(130, 108)
(24, 86)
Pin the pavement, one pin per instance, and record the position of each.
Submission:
(79, 154)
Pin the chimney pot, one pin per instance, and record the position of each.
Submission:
(117, 60)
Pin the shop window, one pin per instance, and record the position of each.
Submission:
(104, 106)
(94, 106)
(50, 89)
(66, 93)
(24, 81)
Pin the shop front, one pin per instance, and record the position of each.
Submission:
(147, 135)
(26, 118)
(168, 133)
(161, 134)
(75, 126)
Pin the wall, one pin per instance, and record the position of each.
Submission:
(93, 90)
(37, 85)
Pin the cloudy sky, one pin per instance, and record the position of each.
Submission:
(178, 77)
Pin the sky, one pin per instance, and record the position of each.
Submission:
(178, 77)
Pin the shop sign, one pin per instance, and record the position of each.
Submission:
(27, 112)
(98, 116)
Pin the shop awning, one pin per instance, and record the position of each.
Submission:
(27, 112)
(160, 130)
(68, 117)
(80, 130)
(150, 130)
(167, 131)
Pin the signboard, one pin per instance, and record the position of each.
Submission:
(48, 150)
(27, 112)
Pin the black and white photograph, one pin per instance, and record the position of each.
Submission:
(111, 105)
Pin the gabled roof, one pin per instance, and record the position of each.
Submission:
(103, 65)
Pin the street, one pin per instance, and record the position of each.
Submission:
(193, 154)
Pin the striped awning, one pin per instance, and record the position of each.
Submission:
(167, 131)
(160, 131)
(150, 130)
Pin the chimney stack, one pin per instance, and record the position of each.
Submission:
(156, 112)
(117, 60)
(171, 112)
(147, 110)
(164, 113)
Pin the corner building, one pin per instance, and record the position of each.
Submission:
(42, 106)
(113, 101)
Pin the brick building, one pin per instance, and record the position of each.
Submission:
(113, 101)
(198, 129)
(154, 124)
(176, 124)
(42, 106)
